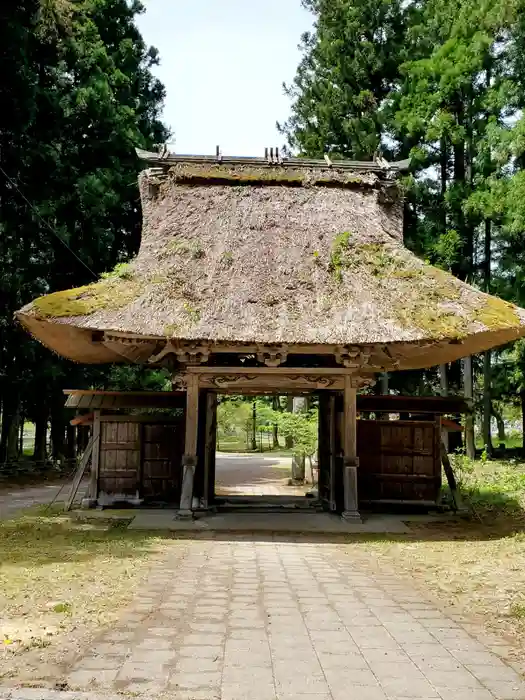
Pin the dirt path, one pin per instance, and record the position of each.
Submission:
(14, 499)
(255, 475)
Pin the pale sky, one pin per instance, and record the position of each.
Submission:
(223, 63)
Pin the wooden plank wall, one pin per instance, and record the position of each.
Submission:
(141, 457)
(399, 461)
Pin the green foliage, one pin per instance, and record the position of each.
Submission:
(77, 96)
(441, 82)
(491, 489)
(302, 427)
(338, 255)
(136, 378)
(349, 64)
(122, 271)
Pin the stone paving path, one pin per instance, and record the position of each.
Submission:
(248, 619)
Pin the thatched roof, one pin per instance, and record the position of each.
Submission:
(250, 252)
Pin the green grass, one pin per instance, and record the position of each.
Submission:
(62, 579)
(513, 441)
(492, 489)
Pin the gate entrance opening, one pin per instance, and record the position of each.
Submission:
(266, 449)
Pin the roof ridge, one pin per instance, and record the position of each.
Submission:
(379, 165)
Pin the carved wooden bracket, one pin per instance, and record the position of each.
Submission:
(132, 349)
(179, 382)
(272, 356)
(360, 382)
(352, 356)
(184, 353)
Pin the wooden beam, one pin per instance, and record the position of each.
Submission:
(189, 460)
(79, 473)
(435, 405)
(291, 371)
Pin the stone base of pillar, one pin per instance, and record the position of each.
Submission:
(87, 503)
(352, 516)
(184, 515)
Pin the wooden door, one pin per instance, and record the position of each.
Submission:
(328, 458)
(162, 450)
(120, 450)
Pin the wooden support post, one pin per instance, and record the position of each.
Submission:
(189, 460)
(457, 502)
(351, 462)
(209, 447)
(95, 460)
(79, 474)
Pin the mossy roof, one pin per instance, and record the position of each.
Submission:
(231, 257)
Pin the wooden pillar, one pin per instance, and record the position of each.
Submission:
(351, 462)
(189, 460)
(209, 448)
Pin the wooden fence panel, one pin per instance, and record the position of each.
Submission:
(399, 461)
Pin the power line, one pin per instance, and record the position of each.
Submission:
(46, 223)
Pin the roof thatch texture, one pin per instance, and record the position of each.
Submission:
(245, 254)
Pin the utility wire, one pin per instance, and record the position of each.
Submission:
(46, 223)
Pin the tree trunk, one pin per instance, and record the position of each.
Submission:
(289, 408)
(501, 425)
(13, 439)
(444, 179)
(254, 426)
(21, 435)
(443, 380)
(58, 433)
(487, 369)
(470, 443)
(40, 445)
(70, 442)
(9, 434)
(522, 396)
(487, 400)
